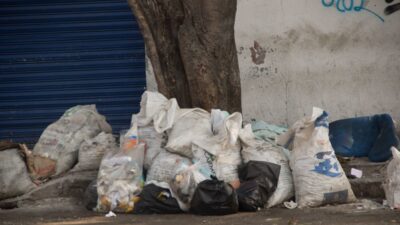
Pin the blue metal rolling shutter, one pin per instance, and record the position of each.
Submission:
(55, 54)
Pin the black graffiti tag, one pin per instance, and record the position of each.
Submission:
(391, 8)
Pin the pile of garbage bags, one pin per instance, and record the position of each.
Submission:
(174, 160)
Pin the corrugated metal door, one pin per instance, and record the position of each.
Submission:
(55, 54)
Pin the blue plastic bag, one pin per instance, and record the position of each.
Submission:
(370, 136)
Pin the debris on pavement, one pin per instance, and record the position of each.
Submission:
(355, 172)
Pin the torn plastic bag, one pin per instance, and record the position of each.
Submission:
(392, 181)
(14, 177)
(154, 143)
(192, 124)
(61, 140)
(370, 136)
(155, 199)
(265, 174)
(165, 166)
(214, 197)
(261, 150)
(224, 145)
(92, 151)
(120, 177)
(90, 196)
(318, 176)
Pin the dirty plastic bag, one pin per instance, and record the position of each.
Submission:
(192, 124)
(318, 176)
(266, 176)
(120, 177)
(260, 150)
(155, 199)
(154, 143)
(92, 151)
(214, 197)
(187, 177)
(224, 145)
(185, 181)
(61, 140)
(249, 196)
(392, 181)
(14, 177)
(165, 166)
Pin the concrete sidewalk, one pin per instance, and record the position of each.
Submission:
(73, 215)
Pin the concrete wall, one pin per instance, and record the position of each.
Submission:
(295, 54)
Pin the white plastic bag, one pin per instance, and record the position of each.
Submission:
(61, 140)
(191, 125)
(120, 177)
(92, 151)
(254, 149)
(150, 104)
(154, 143)
(156, 108)
(318, 176)
(225, 147)
(392, 182)
(14, 177)
(165, 166)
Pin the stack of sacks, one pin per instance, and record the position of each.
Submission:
(183, 147)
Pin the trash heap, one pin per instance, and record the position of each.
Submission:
(175, 160)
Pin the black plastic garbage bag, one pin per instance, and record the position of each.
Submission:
(90, 196)
(258, 182)
(156, 200)
(214, 197)
(249, 196)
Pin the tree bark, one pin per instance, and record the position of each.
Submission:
(191, 45)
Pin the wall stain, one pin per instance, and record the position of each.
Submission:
(257, 53)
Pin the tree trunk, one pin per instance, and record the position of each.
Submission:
(191, 45)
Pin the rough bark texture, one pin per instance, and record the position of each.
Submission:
(191, 45)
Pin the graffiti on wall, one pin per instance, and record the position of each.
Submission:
(360, 6)
(391, 8)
